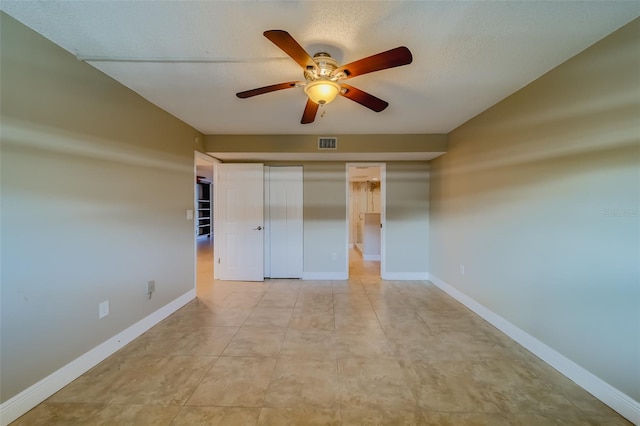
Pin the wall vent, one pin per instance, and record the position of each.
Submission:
(327, 143)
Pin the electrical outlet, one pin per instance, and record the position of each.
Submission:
(334, 256)
(103, 309)
(461, 269)
(151, 287)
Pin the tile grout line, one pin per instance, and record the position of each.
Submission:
(220, 354)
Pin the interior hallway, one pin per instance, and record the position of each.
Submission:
(362, 351)
(204, 264)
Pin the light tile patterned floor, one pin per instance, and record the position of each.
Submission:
(288, 352)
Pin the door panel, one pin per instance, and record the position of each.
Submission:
(240, 251)
(285, 222)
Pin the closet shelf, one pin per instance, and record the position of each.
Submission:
(204, 224)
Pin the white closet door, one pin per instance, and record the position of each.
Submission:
(285, 222)
(239, 245)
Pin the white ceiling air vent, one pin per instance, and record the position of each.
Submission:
(327, 143)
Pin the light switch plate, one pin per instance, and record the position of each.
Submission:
(103, 309)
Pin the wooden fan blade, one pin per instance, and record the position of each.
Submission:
(389, 59)
(364, 98)
(290, 46)
(309, 113)
(266, 89)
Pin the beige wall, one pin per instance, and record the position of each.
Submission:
(324, 215)
(407, 250)
(538, 197)
(95, 184)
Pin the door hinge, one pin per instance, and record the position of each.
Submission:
(218, 260)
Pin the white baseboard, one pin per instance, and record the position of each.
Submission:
(325, 276)
(35, 394)
(371, 257)
(614, 398)
(405, 276)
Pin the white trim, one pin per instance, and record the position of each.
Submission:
(216, 215)
(266, 246)
(406, 276)
(325, 276)
(35, 394)
(614, 398)
(347, 222)
(383, 219)
(370, 257)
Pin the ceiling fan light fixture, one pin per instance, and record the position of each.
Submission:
(322, 91)
(322, 75)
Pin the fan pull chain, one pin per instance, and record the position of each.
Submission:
(323, 111)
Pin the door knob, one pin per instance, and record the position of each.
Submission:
(259, 228)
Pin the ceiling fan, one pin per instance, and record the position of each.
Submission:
(323, 75)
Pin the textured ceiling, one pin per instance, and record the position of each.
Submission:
(467, 55)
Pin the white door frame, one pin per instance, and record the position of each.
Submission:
(383, 212)
(201, 157)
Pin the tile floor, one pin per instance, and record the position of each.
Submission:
(288, 352)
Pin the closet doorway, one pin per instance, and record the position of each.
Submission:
(366, 213)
